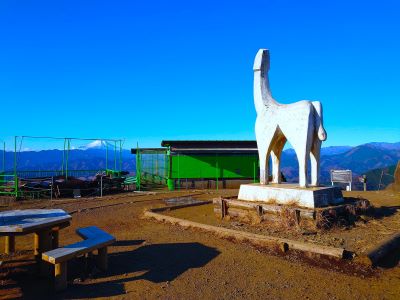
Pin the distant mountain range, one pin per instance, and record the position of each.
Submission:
(78, 159)
(360, 159)
(331, 150)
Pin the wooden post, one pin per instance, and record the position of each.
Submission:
(102, 259)
(260, 210)
(284, 247)
(223, 208)
(297, 216)
(60, 276)
(9, 244)
(364, 180)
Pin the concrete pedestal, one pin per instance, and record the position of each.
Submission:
(291, 194)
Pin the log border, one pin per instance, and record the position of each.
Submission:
(378, 252)
(241, 236)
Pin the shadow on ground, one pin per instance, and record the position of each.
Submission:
(391, 260)
(377, 212)
(155, 263)
(128, 243)
(159, 262)
(385, 211)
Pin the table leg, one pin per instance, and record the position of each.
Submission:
(102, 261)
(55, 238)
(60, 276)
(36, 245)
(9, 244)
(43, 243)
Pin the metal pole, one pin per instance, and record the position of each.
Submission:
(152, 167)
(217, 169)
(101, 185)
(4, 156)
(15, 156)
(66, 161)
(156, 164)
(179, 173)
(380, 181)
(254, 171)
(120, 155)
(138, 167)
(115, 155)
(15, 168)
(63, 161)
(169, 170)
(165, 166)
(106, 155)
(51, 188)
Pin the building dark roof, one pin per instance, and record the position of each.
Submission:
(205, 147)
(209, 144)
(213, 146)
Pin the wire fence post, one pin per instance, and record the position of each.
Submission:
(217, 170)
(106, 156)
(4, 156)
(101, 185)
(115, 155)
(179, 173)
(120, 156)
(51, 188)
(380, 181)
(67, 157)
(15, 168)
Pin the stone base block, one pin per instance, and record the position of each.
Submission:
(291, 194)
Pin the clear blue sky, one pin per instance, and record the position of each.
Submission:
(153, 70)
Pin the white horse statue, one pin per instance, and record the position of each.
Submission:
(300, 123)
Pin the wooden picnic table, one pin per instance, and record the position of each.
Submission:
(43, 223)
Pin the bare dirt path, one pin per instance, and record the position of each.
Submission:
(154, 260)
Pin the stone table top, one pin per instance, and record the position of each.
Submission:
(31, 220)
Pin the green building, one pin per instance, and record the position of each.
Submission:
(198, 164)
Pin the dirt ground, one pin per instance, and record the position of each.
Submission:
(155, 260)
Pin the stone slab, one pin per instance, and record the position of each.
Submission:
(291, 194)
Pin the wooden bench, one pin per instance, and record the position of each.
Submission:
(94, 239)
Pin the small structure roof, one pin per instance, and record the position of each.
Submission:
(205, 147)
(211, 146)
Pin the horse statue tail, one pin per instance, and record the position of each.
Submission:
(319, 120)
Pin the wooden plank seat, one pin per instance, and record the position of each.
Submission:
(94, 239)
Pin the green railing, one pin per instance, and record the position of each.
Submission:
(8, 185)
(151, 167)
(54, 173)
